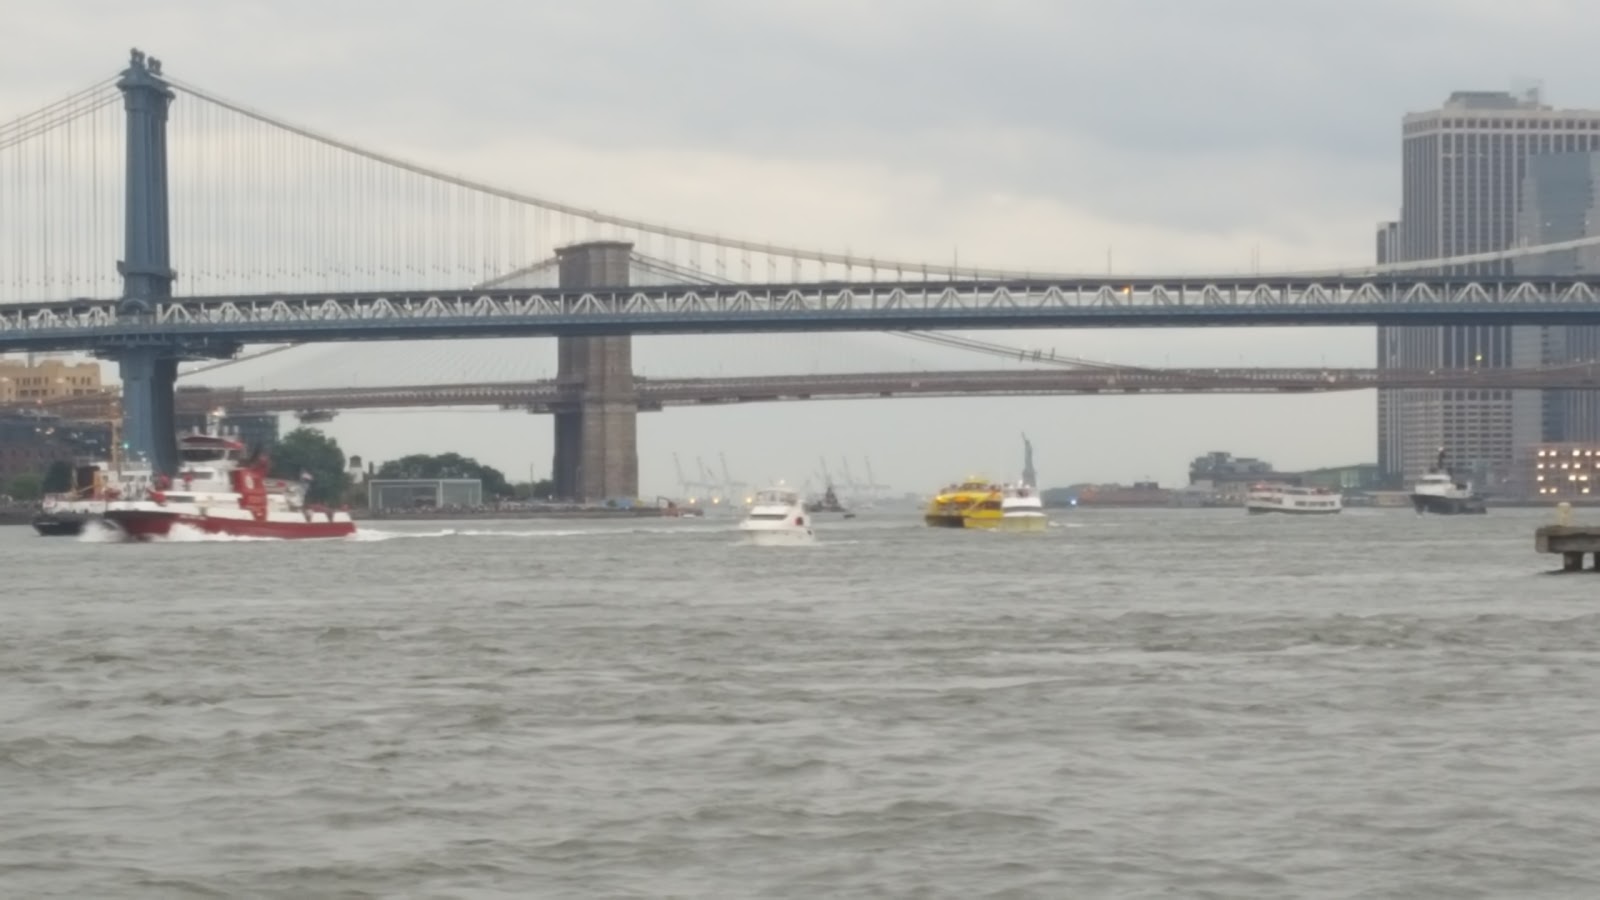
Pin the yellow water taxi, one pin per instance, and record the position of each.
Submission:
(980, 503)
(974, 503)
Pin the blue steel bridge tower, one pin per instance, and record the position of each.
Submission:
(148, 366)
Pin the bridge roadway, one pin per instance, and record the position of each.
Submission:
(217, 325)
(654, 394)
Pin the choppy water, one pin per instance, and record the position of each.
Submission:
(1144, 704)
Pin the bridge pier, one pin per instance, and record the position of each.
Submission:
(149, 373)
(596, 436)
(150, 430)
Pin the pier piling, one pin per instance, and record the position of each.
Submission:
(1569, 540)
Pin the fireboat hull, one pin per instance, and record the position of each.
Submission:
(143, 525)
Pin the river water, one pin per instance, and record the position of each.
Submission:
(1136, 704)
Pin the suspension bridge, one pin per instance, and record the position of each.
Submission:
(238, 228)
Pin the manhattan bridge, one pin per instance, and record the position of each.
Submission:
(152, 223)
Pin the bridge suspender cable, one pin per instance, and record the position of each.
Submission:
(845, 259)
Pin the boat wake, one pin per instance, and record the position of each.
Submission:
(374, 535)
(96, 531)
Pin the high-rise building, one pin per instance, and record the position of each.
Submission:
(1559, 203)
(1389, 424)
(1464, 167)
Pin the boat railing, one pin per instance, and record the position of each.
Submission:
(776, 498)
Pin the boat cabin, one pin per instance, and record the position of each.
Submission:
(201, 448)
(777, 497)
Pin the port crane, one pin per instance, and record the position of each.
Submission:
(692, 490)
(876, 490)
(735, 491)
(713, 488)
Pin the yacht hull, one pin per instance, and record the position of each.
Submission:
(774, 537)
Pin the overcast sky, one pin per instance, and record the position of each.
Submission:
(1166, 135)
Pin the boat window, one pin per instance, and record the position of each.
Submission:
(770, 516)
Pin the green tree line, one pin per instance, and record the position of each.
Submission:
(310, 451)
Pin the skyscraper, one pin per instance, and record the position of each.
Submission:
(1463, 173)
(1559, 203)
(1389, 423)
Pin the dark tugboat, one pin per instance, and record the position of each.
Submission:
(1439, 493)
(93, 485)
(61, 523)
(66, 514)
(828, 504)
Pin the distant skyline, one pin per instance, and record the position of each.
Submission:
(1163, 135)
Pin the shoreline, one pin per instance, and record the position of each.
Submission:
(23, 515)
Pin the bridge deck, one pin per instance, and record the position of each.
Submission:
(544, 395)
(225, 321)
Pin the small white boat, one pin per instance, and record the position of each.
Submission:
(777, 516)
(1021, 509)
(1294, 500)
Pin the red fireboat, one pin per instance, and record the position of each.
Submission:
(218, 491)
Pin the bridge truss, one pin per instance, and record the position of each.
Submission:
(700, 309)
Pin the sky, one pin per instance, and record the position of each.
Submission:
(1147, 135)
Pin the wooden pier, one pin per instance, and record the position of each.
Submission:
(1569, 540)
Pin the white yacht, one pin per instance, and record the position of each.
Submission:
(1440, 493)
(1021, 509)
(1292, 499)
(777, 516)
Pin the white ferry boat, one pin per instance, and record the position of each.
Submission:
(777, 516)
(1294, 500)
(1021, 509)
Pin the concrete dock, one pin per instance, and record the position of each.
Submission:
(1569, 540)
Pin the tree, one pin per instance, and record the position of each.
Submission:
(58, 478)
(447, 465)
(308, 450)
(25, 487)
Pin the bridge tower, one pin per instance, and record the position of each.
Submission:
(148, 367)
(596, 439)
(149, 373)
